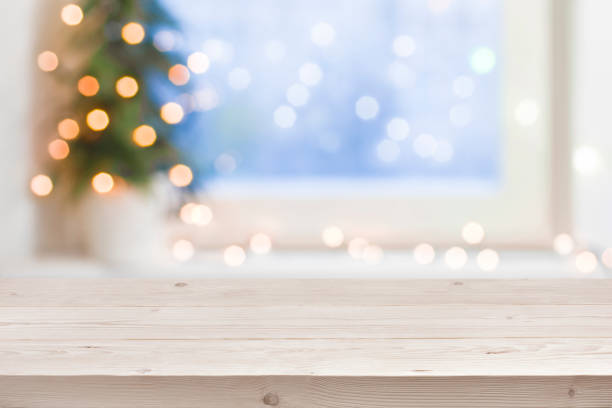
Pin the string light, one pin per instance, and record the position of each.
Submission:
(487, 260)
(102, 183)
(88, 86)
(234, 255)
(41, 185)
(97, 120)
(563, 244)
(72, 15)
(183, 250)
(133, 33)
(48, 61)
(144, 136)
(126, 87)
(58, 149)
(473, 233)
(68, 129)
(179, 75)
(424, 254)
(198, 62)
(260, 244)
(172, 113)
(332, 236)
(455, 258)
(586, 262)
(180, 175)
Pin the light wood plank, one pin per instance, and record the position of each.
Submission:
(306, 392)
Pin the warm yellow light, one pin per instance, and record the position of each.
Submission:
(126, 87)
(88, 86)
(196, 214)
(234, 255)
(172, 113)
(473, 233)
(183, 250)
(72, 15)
(47, 61)
(41, 185)
(68, 129)
(179, 75)
(97, 120)
(180, 175)
(260, 244)
(144, 136)
(198, 62)
(133, 33)
(58, 149)
(332, 236)
(102, 183)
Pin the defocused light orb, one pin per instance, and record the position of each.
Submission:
(398, 129)
(126, 87)
(48, 61)
(323, 34)
(460, 115)
(186, 213)
(180, 175)
(218, 50)
(275, 51)
(260, 244)
(586, 262)
(225, 163)
(239, 79)
(298, 95)
(563, 244)
(483, 60)
(102, 183)
(72, 15)
(285, 117)
(41, 185)
(133, 33)
(68, 129)
(373, 254)
(97, 120)
(587, 160)
(58, 149)
(455, 258)
(198, 62)
(424, 254)
(207, 99)
(527, 112)
(404, 46)
(367, 108)
(179, 75)
(332, 236)
(444, 152)
(201, 215)
(473, 233)
(463, 87)
(172, 113)
(487, 260)
(425, 145)
(164, 40)
(88, 86)
(606, 258)
(144, 136)
(401, 75)
(388, 151)
(310, 74)
(357, 246)
(234, 255)
(183, 250)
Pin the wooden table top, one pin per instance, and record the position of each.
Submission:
(418, 328)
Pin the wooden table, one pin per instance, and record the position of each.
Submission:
(305, 343)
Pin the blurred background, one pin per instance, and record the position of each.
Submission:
(464, 135)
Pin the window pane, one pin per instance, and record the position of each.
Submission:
(343, 89)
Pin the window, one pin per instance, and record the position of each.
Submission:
(398, 120)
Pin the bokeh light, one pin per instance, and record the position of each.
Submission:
(260, 244)
(41, 185)
(323, 34)
(367, 107)
(310, 74)
(586, 262)
(88, 86)
(404, 46)
(357, 246)
(483, 60)
(527, 112)
(606, 258)
(180, 175)
(373, 254)
(126, 87)
(473, 233)
(196, 214)
(172, 113)
(587, 161)
(487, 260)
(72, 15)
(298, 95)
(183, 250)
(102, 183)
(455, 258)
(285, 117)
(58, 149)
(563, 244)
(332, 236)
(144, 136)
(179, 75)
(398, 129)
(239, 79)
(48, 61)
(68, 129)
(198, 62)
(424, 254)
(97, 120)
(133, 33)
(234, 256)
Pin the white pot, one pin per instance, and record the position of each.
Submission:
(125, 227)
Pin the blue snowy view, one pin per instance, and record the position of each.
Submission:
(340, 89)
